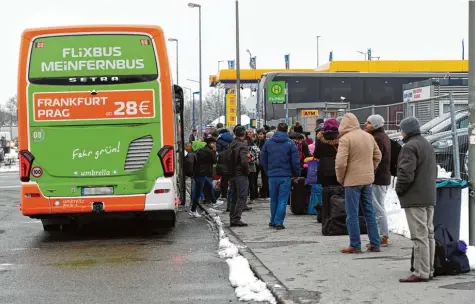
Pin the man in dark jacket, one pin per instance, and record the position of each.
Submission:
(416, 190)
(280, 160)
(374, 125)
(206, 158)
(239, 181)
(193, 136)
(224, 140)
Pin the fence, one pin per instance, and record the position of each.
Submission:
(444, 123)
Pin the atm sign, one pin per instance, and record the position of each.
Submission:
(309, 113)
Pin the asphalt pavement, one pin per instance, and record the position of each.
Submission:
(108, 262)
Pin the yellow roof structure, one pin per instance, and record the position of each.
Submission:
(389, 66)
(397, 66)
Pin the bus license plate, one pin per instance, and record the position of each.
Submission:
(97, 191)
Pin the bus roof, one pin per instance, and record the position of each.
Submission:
(31, 33)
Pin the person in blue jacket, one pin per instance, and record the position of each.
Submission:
(280, 160)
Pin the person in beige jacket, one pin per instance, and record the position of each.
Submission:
(357, 159)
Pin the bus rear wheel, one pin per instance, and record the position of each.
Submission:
(51, 227)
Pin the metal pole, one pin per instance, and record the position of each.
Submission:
(471, 85)
(238, 85)
(200, 64)
(287, 104)
(455, 138)
(176, 56)
(193, 111)
(258, 107)
(317, 51)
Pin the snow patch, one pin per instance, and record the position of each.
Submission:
(397, 220)
(11, 168)
(247, 286)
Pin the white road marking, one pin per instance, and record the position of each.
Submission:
(9, 187)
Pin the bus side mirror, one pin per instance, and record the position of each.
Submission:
(178, 99)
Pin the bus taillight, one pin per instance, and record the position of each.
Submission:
(26, 159)
(166, 155)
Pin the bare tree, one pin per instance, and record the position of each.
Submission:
(12, 111)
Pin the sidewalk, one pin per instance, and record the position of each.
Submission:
(311, 268)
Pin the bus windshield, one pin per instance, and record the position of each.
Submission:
(92, 58)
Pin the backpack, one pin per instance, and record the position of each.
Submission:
(225, 164)
(450, 256)
(312, 172)
(189, 164)
(395, 149)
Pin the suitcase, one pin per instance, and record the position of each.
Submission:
(327, 193)
(299, 198)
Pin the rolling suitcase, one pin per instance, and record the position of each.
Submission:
(300, 194)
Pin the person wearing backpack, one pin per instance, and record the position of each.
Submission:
(239, 170)
(375, 126)
(206, 158)
(416, 190)
(280, 160)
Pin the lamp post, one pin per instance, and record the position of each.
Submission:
(363, 53)
(238, 85)
(317, 50)
(194, 5)
(176, 56)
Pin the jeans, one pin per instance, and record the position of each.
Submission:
(353, 197)
(379, 193)
(239, 195)
(199, 182)
(279, 190)
(420, 224)
(209, 183)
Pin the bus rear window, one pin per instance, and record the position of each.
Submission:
(86, 59)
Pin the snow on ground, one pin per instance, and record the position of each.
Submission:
(397, 220)
(247, 286)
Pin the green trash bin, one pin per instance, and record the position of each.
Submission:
(448, 205)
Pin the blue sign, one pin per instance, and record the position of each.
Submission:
(286, 61)
(253, 63)
(231, 64)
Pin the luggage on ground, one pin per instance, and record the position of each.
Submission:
(299, 198)
(450, 255)
(312, 171)
(327, 193)
(336, 224)
(315, 201)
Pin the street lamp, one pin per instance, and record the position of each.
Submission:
(194, 5)
(317, 50)
(238, 86)
(176, 55)
(363, 53)
(249, 52)
(193, 80)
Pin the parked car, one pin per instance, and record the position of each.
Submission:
(443, 146)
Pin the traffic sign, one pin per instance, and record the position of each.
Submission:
(36, 172)
(277, 91)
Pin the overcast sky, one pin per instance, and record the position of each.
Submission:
(395, 30)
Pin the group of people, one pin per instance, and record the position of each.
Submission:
(359, 160)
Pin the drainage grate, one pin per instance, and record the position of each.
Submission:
(139, 150)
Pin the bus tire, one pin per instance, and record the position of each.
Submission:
(51, 227)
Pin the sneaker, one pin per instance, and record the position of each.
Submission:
(413, 279)
(280, 227)
(271, 225)
(238, 224)
(373, 249)
(196, 214)
(351, 250)
(383, 242)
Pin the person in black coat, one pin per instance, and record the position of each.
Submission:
(326, 150)
(206, 159)
(298, 128)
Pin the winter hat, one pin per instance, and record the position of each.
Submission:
(410, 125)
(269, 135)
(376, 121)
(331, 124)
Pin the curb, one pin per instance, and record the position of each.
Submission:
(278, 289)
